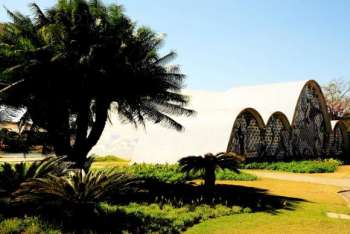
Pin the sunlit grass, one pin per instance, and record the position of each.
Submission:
(308, 217)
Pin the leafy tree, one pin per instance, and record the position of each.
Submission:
(73, 64)
(208, 164)
(337, 94)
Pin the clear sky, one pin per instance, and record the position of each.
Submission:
(225, 43)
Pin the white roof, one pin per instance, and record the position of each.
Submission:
(208, 131)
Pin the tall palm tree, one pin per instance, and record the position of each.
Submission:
(208, 164)
(74, 63)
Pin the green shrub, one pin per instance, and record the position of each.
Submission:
(306, 166)
(162, 172)
(231, 175)
(28, 225)
(170, 173)
(169, 219)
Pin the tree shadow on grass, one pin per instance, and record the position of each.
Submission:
(177, 195)
(180, 195)
(118, 220)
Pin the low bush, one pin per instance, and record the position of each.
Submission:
(167, 218)
(172, 174)
(306, 166)
(231, 175)
(26, 225)
(161, 172)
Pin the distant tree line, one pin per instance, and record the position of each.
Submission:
(337, 94)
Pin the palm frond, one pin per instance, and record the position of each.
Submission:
(11, 177)
(192, 164)
(229, 161)
(77, 188)
(40, 17)
(166, 58)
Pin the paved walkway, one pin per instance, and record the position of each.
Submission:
(340, 182)
(19, 157)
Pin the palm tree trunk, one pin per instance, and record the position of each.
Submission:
(209, 177)
(98, 126)
(82, 121)
(58, 128)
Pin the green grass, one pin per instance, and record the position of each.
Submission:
(308, 216)
(109, 158)
(306, 166)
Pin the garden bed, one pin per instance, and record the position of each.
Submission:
(170, 173)
(305, 166)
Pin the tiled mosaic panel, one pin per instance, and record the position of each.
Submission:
(307, 139)
(277, 139)
(338, 144)
(310, 138)
(247, 137)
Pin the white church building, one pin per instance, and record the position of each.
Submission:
(273, 121)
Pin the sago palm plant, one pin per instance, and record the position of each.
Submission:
(11, 176)
(208, 164)
(77, 193)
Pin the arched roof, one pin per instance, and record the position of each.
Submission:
(208, 131)
(323, 105)
(279, 115)
(255, 114)
(345, 130)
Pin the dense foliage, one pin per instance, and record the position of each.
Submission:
(143, 218)
(105, 201)
(69, 66)
(337, 95)
(171, 173)
(12, 176)
(307, 166)
(170, 219)
(26, 225)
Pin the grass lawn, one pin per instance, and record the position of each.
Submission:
(309, 216)
(102, 165)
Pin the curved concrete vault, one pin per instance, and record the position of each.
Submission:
(273, 121)
(310, 134)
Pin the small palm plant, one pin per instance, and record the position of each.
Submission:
(11, 176)
(76, 194)
(208, 164)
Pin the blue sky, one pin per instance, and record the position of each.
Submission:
(225, 43)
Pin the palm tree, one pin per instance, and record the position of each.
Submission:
(208, 164)
(75, 63)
